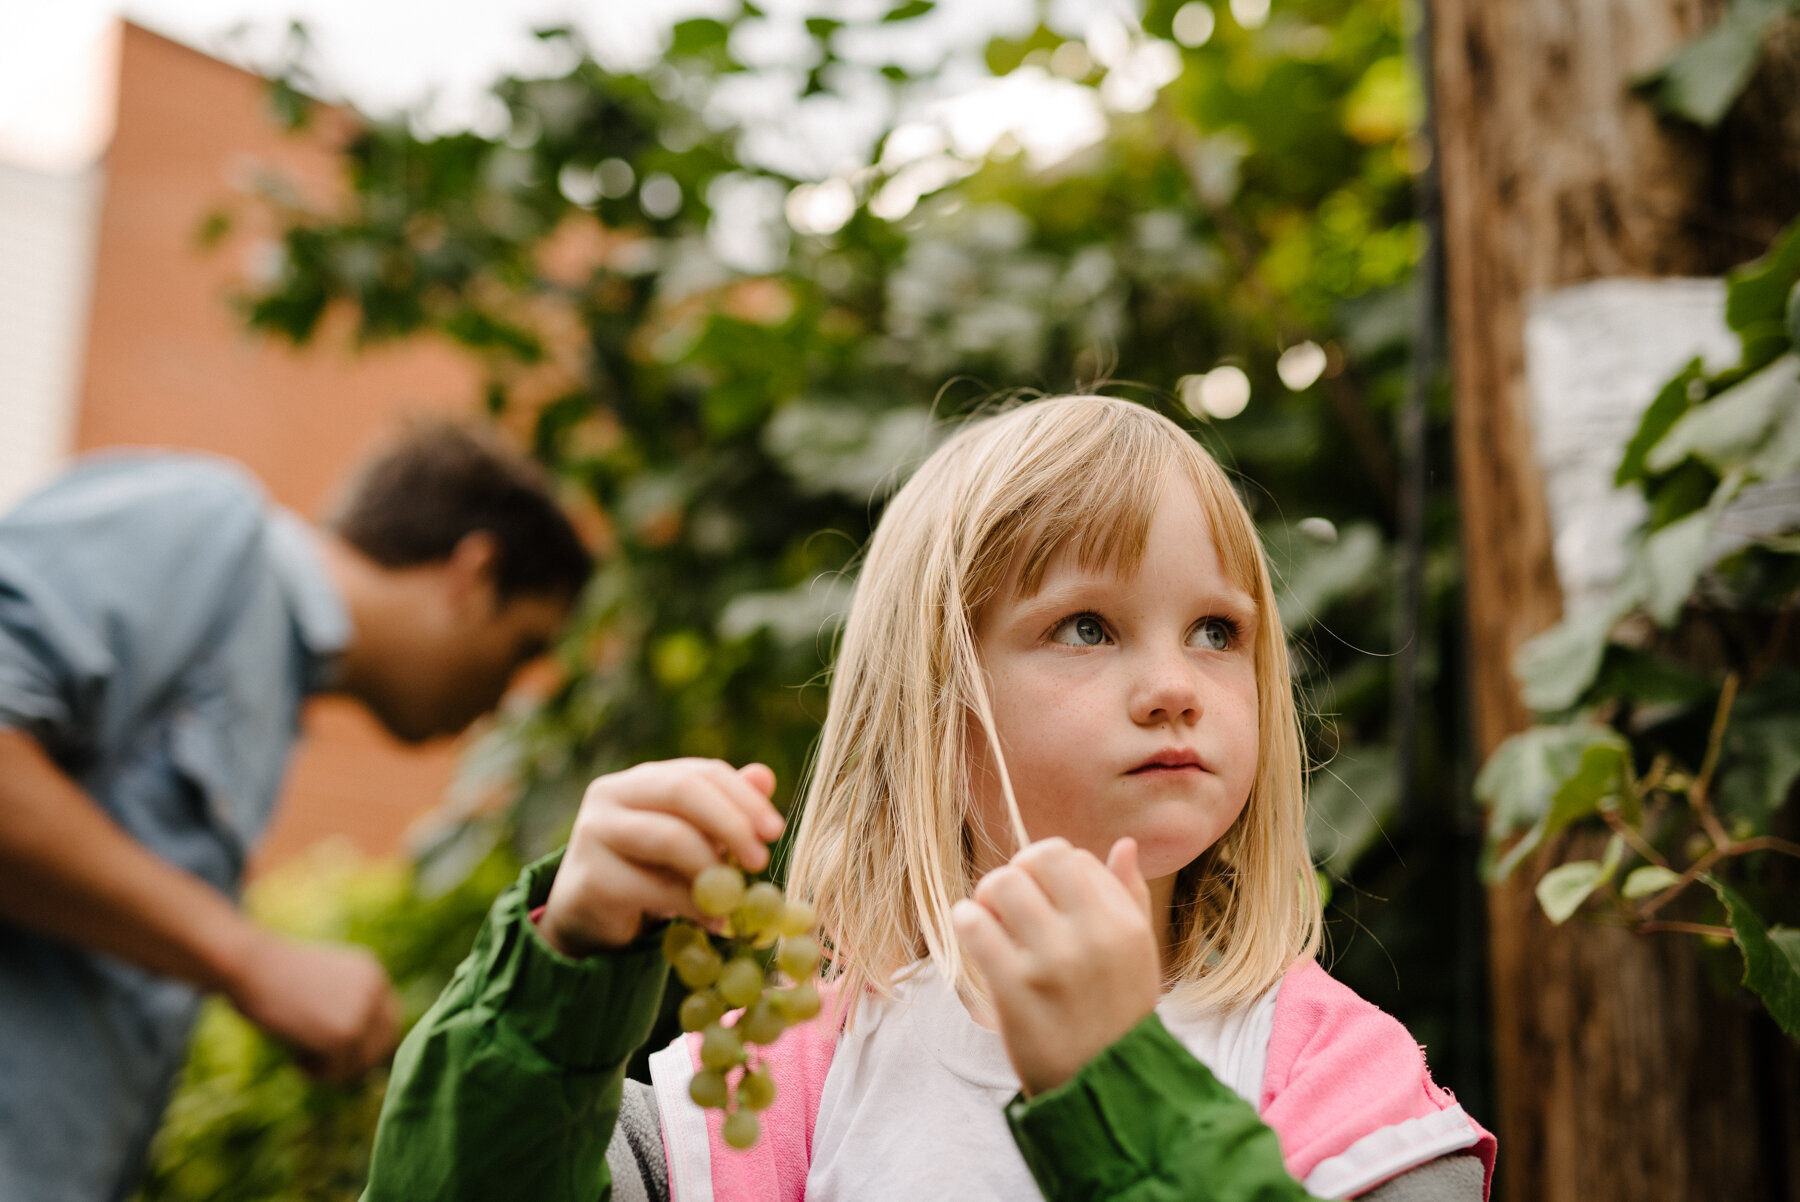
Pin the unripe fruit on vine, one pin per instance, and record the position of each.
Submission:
(741, 982)
(798, 957)
(698, 965)
(720, 1048)
(756, 1090)
(761, 1023)
(741, 1129)
(719, 890)
(799, 1003)
(708, 1089)
(701, 1010)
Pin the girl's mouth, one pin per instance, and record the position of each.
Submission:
(1173, 760)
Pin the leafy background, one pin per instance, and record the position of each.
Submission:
(729, 422)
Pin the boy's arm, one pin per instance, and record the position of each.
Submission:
(1145, 1121)
(510, 1085)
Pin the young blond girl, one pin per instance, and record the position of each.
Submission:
(1055, 838)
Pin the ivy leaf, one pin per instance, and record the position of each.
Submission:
(1664, 411)
(1731, 428)
(1562, 890)
(1651, 878)
(1771, 959)
(1556, 667)
(1544, 779)
(1757, 293)
(1675, 556)
(1702, 79)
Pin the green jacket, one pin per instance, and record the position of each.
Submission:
(510, 1087)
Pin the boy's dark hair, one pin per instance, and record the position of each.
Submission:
(416, 498)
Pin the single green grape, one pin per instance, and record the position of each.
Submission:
(741, 1129)
(701, 1009)
(798, 957)
(679, 937)
(799, 1003)
(756, 913)
(741, 981)
(708, 1089)
(796, 918)
(719, 890)
(720, 1048)
(698, 965)
(756, 1090)
(762, 1022)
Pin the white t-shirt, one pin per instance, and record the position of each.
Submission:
(913, 1105)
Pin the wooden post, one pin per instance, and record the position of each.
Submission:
(1622, 1072)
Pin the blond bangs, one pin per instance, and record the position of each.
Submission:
(884, 847)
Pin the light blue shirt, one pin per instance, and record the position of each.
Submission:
(161, 624)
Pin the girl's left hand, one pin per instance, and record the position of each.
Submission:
(1066, 945)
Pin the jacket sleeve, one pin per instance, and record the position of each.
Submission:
(1145, 1121)
(510, 1085)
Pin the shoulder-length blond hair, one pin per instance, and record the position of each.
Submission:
(886, 842)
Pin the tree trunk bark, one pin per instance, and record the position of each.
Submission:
(1625, 1070)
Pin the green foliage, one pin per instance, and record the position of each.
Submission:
(1771, 959)
(1701, 80)
(1674, 716)
(245, 1124)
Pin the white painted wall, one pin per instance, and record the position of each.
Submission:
(49, 225)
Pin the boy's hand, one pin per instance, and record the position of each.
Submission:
(640, 839)
(1068, 952)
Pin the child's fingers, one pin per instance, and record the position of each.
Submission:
(986, 943)
(1064, 872)
(707, 795)
(1122, 862)
(661, 893)
(747, 793)
(663, 842)
(760, 777)
(1014, 897)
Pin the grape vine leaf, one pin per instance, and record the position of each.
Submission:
(1757, 292)
(1675, 556)
(1670, 404)
(1771, 959)
(1562, 890)
(1737, 424)
(1702, 79)
(1651, 878)
(1556, 667)
(1544, 779)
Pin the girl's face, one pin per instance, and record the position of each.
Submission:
(1125, 704)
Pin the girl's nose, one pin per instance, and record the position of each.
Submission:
(1165, 691)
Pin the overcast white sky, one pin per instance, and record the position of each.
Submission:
(386, 54)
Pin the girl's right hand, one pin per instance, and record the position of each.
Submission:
(640, 839)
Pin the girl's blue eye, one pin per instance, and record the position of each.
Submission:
(1216, 634)
(1083, 630)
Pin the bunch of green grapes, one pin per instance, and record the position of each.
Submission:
(722, 974)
